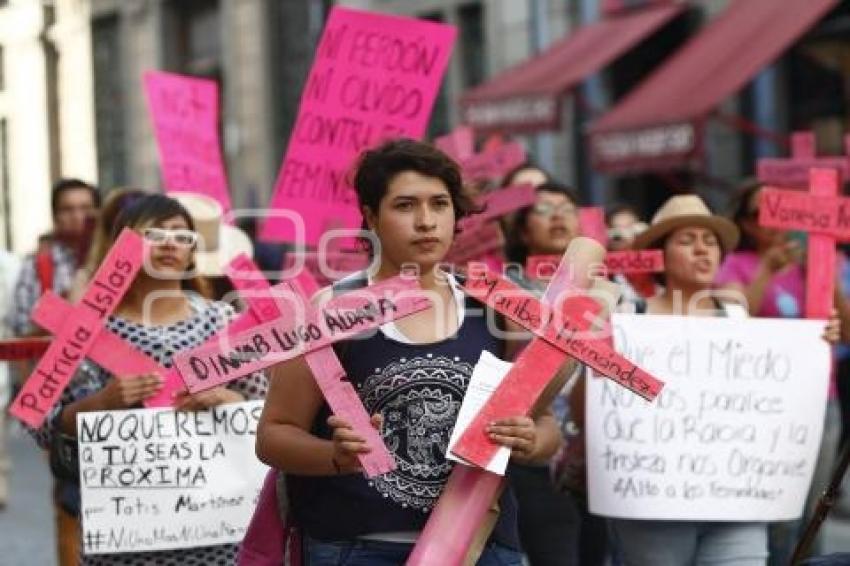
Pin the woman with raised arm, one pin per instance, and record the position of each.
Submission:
(411, 375)
(161, 314)
(694, 242)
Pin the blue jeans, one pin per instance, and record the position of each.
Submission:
(686, 543)
(380, 553)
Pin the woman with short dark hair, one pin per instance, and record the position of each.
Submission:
(412, 376)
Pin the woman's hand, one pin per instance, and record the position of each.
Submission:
(185, 401)
(780, 256)
(348, 445)
(126, 392)
(832, 330)
(517, 433)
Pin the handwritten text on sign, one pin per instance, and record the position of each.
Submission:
(374, 77)
(733, 436)
(795, 210)
(156, 479)
(184, 111)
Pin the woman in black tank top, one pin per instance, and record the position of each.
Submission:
(411, 376)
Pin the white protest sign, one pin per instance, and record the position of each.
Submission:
(156, 479)
(734, 435)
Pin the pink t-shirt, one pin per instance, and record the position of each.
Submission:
(784, 296)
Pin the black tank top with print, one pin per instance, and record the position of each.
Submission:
(418, 388)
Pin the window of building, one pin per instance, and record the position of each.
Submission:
(109, 102)
(472, 43)
(194, 38)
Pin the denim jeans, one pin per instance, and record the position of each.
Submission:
(380, 553)
(686, 543)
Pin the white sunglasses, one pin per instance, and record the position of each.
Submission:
(184, 238)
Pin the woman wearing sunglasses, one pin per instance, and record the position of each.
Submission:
(161, 314)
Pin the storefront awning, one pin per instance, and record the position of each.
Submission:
(527, 97)
(659, 124)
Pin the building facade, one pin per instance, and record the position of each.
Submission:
(72, 104)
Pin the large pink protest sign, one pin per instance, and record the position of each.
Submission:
(184, 112)
(375, 77)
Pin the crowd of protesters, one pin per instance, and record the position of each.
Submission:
(411, 196)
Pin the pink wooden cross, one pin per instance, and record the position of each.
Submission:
(478, 234)
(825, 217)
(793, 173)
(326, 368)
(470, 492)
(492, 163)
(79, 331)
(121, 358)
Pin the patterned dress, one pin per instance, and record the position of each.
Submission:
(160, 343)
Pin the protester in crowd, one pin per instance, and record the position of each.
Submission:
(74, 204)
(554, 525)
(178, 319)
(767, 269)
(526, 174)
(546, 228)
(694, 242)
(624, 224)
(411, 375)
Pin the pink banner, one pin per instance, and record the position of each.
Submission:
(269, 343)
(627, 262)
(591, 221)
(374, 77)
(185, 116)
(56, 368)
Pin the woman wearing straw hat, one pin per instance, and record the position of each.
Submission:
(693, 241)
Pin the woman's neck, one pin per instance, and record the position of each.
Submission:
(685, 298)
(154, 301)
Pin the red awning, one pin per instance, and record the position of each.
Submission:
(527, 96)
(659, 124)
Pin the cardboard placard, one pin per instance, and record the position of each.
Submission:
(44, 386)
(794, 174)
(23, 348)
(156, 479)
(374, 77)
(735, 434)
(185, 116)
(272, 342)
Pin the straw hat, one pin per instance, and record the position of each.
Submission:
(687, 210)
(218, 243)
